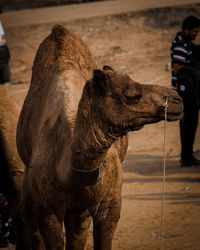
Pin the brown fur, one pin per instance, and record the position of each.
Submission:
(11, 167)
(65, 128)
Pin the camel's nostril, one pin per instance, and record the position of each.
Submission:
(174, 99)
(177, 100)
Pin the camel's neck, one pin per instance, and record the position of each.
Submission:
(90, 143)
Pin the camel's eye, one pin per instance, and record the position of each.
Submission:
(133, 99)
(132, 93)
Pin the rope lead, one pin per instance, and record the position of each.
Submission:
(164, 176)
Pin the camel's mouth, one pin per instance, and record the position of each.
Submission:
(174, 116)
(174, 110)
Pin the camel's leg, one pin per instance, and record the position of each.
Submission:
(105, 223)
(51, 230)
(22, 238)
(32, 230)
(76, 226)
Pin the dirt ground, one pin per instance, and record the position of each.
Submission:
(137, 44)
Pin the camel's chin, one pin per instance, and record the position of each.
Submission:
(138, 127)
(133, 128)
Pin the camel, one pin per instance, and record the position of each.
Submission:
(11, 166)
(72, 137)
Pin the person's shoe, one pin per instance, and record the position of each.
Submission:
(191, 162)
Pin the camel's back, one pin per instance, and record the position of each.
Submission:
(11, 166)
(62, 65)
(8, 105)
(9, 114)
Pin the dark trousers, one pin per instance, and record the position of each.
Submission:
(188, 127)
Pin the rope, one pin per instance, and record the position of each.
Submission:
(164, 175)
(85, 170)
(100, 167)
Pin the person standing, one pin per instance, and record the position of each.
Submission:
(185, 82)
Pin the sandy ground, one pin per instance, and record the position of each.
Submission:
(137, 44)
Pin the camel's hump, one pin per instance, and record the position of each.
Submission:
(60, 49)
(60, 30)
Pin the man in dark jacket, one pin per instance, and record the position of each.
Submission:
(185, 82)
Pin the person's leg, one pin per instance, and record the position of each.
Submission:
(188, 127)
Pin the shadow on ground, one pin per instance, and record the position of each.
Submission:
(151, 165)
(172, 198)
(149, 170)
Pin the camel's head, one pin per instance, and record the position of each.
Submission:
(124, 105)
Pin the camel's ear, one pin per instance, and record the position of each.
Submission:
(106, 67)
(99, 79)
